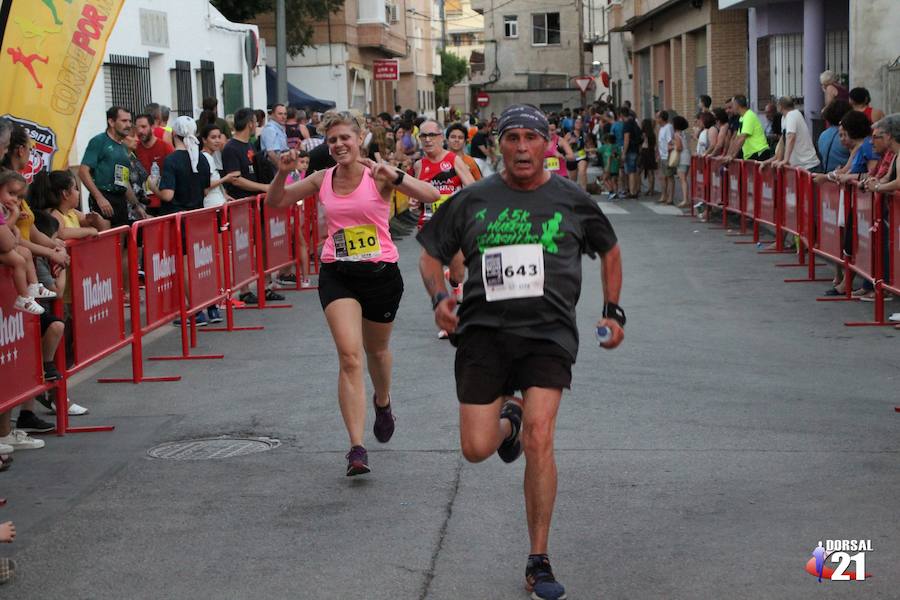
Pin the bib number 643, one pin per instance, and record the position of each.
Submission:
(510, 272)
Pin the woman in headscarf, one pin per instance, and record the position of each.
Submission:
(185, 178)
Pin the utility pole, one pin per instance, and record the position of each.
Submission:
(281, 52)
(443, 17)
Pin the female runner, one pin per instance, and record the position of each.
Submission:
(359, 283)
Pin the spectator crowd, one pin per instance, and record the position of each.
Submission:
(150, 164)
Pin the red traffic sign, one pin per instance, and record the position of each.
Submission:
(585, 83)
(386, 69)
(482, 99)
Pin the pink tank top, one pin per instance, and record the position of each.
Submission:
(553, 163)
(357, 223)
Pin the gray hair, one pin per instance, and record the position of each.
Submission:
(164, 112)
(828, 77)
(786, 102)
(890, 125)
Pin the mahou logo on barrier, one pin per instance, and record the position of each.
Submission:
(98, 320)
(241, 257)
(203, 259)
(12, 331)
(277, 231)
(20, 369)
(278, 246)
(163, 274)
(161, 269)
(203, 265)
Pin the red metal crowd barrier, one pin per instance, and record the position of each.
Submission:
(238, 255)
(787, 201)
(21, 363)
(201, 269)
(190, 261)
(892, 282)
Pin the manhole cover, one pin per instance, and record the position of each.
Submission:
(212, 448)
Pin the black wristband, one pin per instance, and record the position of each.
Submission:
(438, 298)
(613, 311)
(399, 179)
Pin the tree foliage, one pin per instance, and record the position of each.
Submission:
(301, 16)
(453, 70)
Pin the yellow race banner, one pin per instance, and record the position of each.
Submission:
(50, 55)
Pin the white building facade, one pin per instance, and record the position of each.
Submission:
(174, 52)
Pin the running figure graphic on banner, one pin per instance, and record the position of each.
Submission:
(27, 61)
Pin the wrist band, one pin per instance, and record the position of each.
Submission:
(399, 179)
(613, 311)
(438, 298)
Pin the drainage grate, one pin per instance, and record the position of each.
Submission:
(212, 448)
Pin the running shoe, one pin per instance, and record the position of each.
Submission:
(20, 440)
(511, 448)
(287, 279)
(539, 579)
(384, 422)
(51, 373)
(443, 335)
(357, 461)
(273, 296)
(306, 283)
(213, 315)
(457, 292)
(248, 298)
(75, 410)
(31, 423)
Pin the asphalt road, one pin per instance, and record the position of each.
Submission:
(739, 424)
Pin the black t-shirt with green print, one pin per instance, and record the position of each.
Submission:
(558, 215)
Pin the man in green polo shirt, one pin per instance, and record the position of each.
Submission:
(751, 138)
(105, 168)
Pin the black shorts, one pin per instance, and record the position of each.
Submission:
(491, 363)
(377, 287)
(119, 205)
(48, 319)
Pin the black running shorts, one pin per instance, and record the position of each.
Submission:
(491, 363)
(377, 287)
(119, 205)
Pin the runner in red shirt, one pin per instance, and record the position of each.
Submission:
(448, 173)
(151, 151)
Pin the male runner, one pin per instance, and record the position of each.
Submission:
(448, 173)
(523, 233)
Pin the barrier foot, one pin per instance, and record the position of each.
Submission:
(267, 306)
(742, 242)
(820, 280)
(191, 357)
(777, 252)
(841, 299)
(141, 380)
(790, 265)
(91, 429)
(740, 235)
(897, 409)
(218, 329)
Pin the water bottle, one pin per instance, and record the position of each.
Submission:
(604, 334)
(154, 172)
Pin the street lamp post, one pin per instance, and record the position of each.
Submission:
(281, 52)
